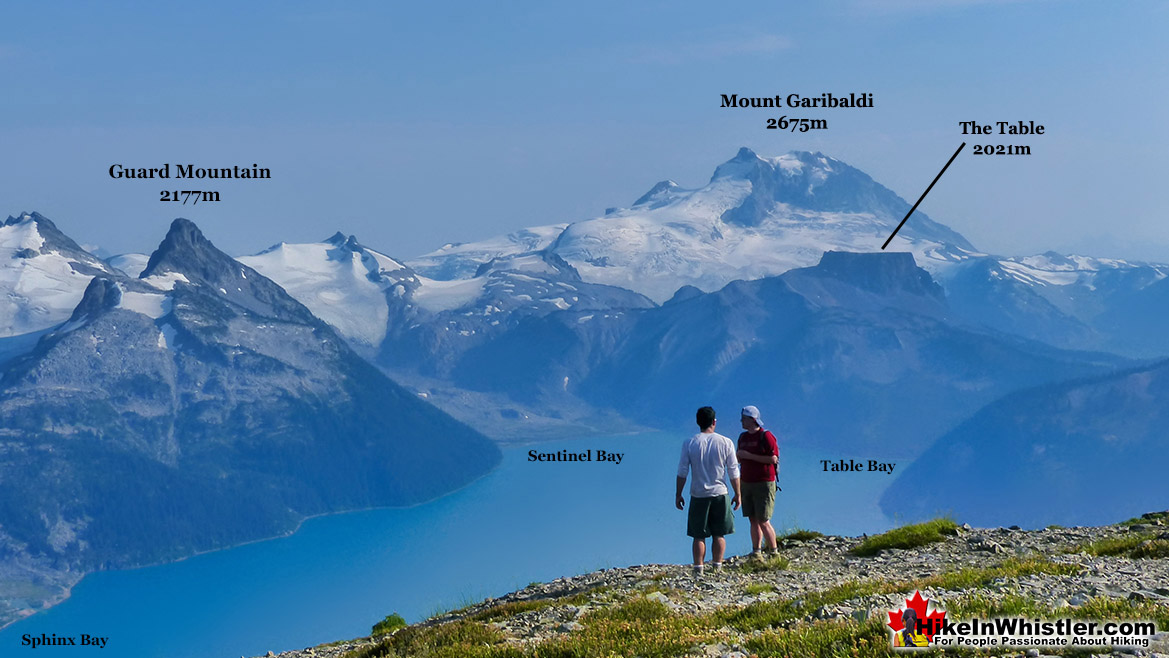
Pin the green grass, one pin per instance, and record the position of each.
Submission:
(969, 577)
(982, 606)
(799, 534)
(1103, 607)
(761, 564)
(450, 640)
(910, 536)
(1123, 545)
(442, 610)
(755, 589)
(1156, 549)
(658, 587)
(639, 627)
(512, 608)
(762, 615)
(1100, 607)
(853, 639)
(768, 614)
(1148, 519)
(648, 628)
(825, 638)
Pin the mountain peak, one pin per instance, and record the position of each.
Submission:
(100, 295)
(347, 242)
(746, 154)
(54, 239)
(184, 248)
(658, 193)
(186, 252)
(19, 217)
(814, 181)
(880, 272)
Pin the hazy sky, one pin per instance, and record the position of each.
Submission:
(416, 124)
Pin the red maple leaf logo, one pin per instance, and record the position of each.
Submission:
(931, 620)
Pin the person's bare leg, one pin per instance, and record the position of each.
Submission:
(718, 546)
(699, 552)
(756, 535)
(768, 534)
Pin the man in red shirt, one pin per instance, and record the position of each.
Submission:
(759, 458)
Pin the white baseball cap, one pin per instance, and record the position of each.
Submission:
(751, 411)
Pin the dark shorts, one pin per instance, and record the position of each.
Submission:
(759, 500)
(710, 517)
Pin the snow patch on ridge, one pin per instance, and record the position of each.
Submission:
(165, 281)
(152, 305)
(333, 282)
(40, 289)
(436, 296)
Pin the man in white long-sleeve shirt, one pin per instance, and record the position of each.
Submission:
(711, 458)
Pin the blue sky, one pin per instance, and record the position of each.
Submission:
(416, 124)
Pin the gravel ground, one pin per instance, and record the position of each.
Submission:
(821, 563)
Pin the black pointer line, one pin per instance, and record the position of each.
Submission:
(927, 191)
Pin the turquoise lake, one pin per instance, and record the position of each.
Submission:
(338, 575)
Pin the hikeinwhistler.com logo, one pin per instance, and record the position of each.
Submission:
(923, 623)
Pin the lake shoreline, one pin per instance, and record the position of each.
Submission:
(322, 579)
(68, 591)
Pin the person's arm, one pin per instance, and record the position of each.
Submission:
(683, 471)
(774, 445)
(747, 455)
(732, 466)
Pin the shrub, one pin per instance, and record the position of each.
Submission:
(910, 536)
(1154, 548)
(1111, 546)
(799, 534)
(388, 625)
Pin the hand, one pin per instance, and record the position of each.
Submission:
(742, 454)
(735, 503)
(679, 502)
(775, 459)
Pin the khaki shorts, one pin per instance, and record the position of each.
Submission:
(759, 500)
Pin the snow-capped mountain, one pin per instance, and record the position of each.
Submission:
(461, 260)
(376, 302)
(43, 274)
(760, 216)
(129, 264)
(342, 282)
(1075, 302)
(755, 217)
(197, 407)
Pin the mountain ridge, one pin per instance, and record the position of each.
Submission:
(818, 595)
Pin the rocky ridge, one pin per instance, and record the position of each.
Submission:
(1068, 573)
